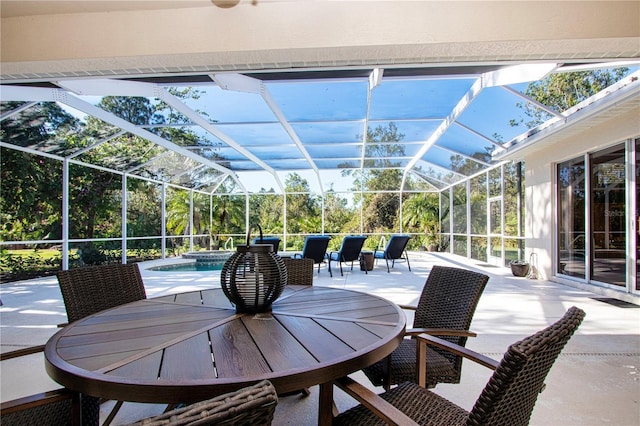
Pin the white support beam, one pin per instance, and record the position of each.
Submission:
(457, 111)
(137, 89)
(15, 111)
(517, 74)
(192, 115)
(475, 132)
(98, 143)
(468, 157)
(104, 87)
(533, 101)
(272, 104)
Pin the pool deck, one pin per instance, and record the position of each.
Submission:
(595, 381)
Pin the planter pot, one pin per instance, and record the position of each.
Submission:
(520, 269)
(366, 261)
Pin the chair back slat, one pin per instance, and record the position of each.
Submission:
(512, 391)
(91, 289)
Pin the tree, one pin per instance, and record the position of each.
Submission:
(338, 215)
(421, 214)
(228, 214)
(100, 190)
(381, 173)
(303, 209)
(564, 90)
(30, 189)
(265, 209)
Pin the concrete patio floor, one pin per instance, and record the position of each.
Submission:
(595, 381)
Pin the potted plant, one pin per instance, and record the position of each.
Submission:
(520, 268)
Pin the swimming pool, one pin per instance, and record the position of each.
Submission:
(210, 260)
(190, 267)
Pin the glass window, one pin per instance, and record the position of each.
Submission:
(201, 225)
(495, 217)
(34, 211)
(479, 248)
(444, 212)
(102, 191)
(496, 247)
(460, 209)
(478, 201)
(571, 220)
(495, 182)
(144, 208)
(637, 219)
(178, 211)
(512, 192)
(513, 250)
(608, 195)
(460, 245)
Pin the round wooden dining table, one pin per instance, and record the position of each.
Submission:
(193, 346)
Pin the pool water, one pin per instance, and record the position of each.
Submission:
(190, 267)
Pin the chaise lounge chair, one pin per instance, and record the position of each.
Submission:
(349, 251)
(396, 249)
(315, 247)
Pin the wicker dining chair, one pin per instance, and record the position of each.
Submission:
(299, 271)
(508, 398)
(445, 309)
(56, 407)
(92, 289)
(250, 406)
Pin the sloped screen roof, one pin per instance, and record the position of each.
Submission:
(436, 125)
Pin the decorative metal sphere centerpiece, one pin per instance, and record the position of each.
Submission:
(253, 277)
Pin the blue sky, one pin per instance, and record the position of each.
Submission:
(329, 117)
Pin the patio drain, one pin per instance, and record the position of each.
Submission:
(616, 302)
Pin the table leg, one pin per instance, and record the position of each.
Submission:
(325, 404)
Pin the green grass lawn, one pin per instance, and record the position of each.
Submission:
(44, 254)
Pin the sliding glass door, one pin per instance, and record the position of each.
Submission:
(598, 201)
(608, 216)
(571, 218)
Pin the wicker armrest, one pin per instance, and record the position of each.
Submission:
(408, 307)
(21, 352)
(421, 358)
(60, 406)
(439, 332)
(424, 339)
(251, 405)
(374, 402)
(37, 400)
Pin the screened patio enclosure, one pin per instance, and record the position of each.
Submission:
(287, 136)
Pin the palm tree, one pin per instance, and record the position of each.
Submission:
(421, 212)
